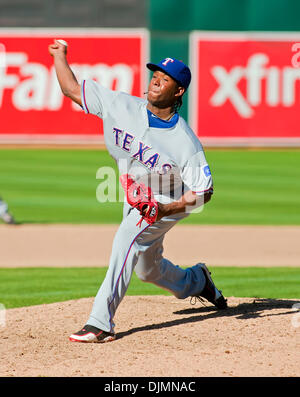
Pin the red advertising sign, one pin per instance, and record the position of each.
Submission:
(32, 106)
(245, 87)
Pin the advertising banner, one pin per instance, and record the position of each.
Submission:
(32, 106)
(245, 88)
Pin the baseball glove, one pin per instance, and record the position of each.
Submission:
(141, 197)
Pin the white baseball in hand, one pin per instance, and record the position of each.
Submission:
(63, 42)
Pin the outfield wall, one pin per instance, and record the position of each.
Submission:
(244, 57)
(32, 106)
(261, 103)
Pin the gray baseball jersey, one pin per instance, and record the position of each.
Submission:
(173, 156)
(175, 161)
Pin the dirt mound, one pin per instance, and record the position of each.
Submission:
(156, 336)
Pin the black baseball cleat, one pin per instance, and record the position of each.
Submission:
(210, 291)
(8, 218)
(91, 334)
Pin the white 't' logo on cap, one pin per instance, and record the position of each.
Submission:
(167, 60)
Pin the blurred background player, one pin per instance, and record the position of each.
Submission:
(5, 215)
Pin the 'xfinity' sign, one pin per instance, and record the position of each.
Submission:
(245, 86)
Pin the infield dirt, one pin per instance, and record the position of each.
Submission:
(156, 335)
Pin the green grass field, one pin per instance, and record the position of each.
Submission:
(59, 186)
(21, 287)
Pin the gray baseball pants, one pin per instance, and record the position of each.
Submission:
(141, 250)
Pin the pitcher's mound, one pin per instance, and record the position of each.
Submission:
(156, 336)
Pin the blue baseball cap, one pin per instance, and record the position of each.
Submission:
(174, 68)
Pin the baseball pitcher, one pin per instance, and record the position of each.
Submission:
(164, 174)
